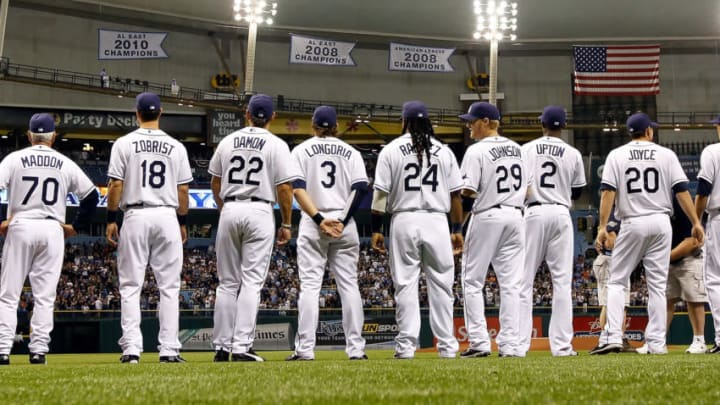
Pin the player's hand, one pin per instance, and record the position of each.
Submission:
(283, 236)
(68, 230)
(378, 242)
(332, 227)
(183, 233)
(111, 234)
(610, 241)
(601, 240)
(4, 227)
(457, 243)
(698, 233)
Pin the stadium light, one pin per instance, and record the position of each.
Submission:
(494, 22)
(254, 13)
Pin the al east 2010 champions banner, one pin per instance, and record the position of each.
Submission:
(318, 51)
(130, 45)
(413, 58)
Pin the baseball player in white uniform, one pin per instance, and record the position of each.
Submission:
(641, 178)
(149, 176)
(38, 180)
(249, 167)
(708, 200)
(417, 180)
(556, 175)
(332, 185)
(494, 175)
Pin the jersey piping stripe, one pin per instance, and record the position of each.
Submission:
(185, 181)
(287, 179)
(382, 188)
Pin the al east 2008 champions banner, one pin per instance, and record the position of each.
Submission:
(419, 58)
(318, 51)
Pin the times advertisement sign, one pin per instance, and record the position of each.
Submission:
(272, 336)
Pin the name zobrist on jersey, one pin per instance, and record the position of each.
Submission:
(327, 149)
(408, 149)
(247, 142)
(153, 146)
(499, 152)
(41, 161)
(551, 150)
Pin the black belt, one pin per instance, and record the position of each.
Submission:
(536, 203)
(252, 199)
(509, 206)
(142, 205)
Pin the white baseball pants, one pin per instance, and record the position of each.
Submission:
(549, 237)
(647, 239)
(711, 269)
(421, 240)
(33, 248)
(150, 236)
(495, 236)
(244, 243)
(314, 251)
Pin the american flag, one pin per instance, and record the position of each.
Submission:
(619, 70)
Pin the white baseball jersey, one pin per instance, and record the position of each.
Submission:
(151, 165)
(251, 163)
(643, 173)
(411, 187)
(493, 168)
(554, 168)
(39, 179)
(329, 167)
(709, 172)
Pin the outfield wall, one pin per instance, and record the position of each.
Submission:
(98, 332)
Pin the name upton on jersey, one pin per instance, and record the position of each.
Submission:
(41, 161)
(552, 150)
(153, 146)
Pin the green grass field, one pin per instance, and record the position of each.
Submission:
(331, 379)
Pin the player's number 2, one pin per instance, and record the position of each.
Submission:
(235, 174)
(429, 179)
(504, 174)
(550, 173)
(49, 193)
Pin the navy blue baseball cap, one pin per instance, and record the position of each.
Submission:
(324, 117)
(716, 121)
(639, 122)
(42, 123)
(480, 110)
(414, 109)
(553, 117)
(147, 102)
(261, 106)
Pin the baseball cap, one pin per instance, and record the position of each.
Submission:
(325, 117)
(414, 109)
(640, 122)
(147, 102)
(261, 106)
(716, 121)
(42, 123)
(553, 117)
(480, 110)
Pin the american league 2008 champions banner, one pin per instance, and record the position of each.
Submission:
(318, 51)
(419, 58)
(130, 45)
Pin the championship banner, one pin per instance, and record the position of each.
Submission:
(413, 58)
(130, 45)
(318, 51)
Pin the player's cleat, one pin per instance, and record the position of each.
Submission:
(507, 355)
(697, 347)
(363, 357)
(715, 349)
(642, 349)
(250, 355)
(571, 353)
(172, 359)
(4, 359)
(37, 358)
(221, 356)
(295, 357)
(607, 348)
(627, 347)
(399, 356)
(129, 359)
(472, 353)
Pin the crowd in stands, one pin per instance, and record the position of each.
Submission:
(89, 282)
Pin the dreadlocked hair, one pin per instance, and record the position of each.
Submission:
(421, 130)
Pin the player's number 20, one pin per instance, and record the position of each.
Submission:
(649, 177)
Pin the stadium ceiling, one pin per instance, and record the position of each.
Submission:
(544, 25)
